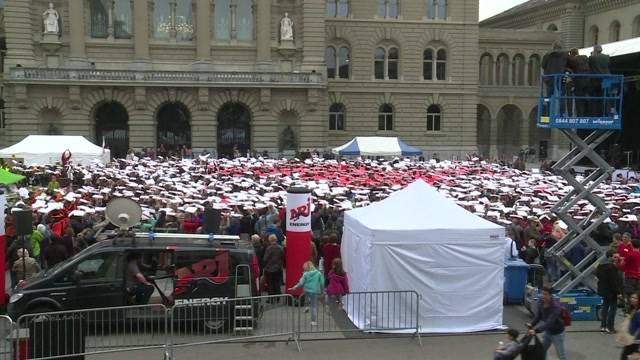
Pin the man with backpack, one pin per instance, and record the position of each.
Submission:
(550, 320)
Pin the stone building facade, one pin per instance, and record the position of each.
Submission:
(218, 75)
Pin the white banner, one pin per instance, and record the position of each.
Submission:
(299, 212)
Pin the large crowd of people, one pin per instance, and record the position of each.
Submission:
(69, 202)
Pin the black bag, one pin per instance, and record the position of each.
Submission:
(533, 350)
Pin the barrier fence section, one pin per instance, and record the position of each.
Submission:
(223, 320)
(393, 312)
(193, 322)
(92, 331)
(8, 333)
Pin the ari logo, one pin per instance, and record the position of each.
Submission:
(300, 211)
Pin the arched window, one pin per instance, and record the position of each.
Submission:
(594, 35)
(636, 27)
(244, 23)
(517, 72)
(183, 22)
(330, 60)
(337, 62)
(441, 65)
(502, 70)
(427, 64)
(486, 69)
(434, 118)
(99, 19)
(534, 70)
(387, 8)
(222, 19)
(343, 63)
(122, 15)
(614, 31)
(552, 27)
(338, 8)
(385, 117)
(436, 9)
(337, 116)
(380, 57)
(386, 63)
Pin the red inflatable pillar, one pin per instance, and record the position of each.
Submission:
(3, 240)
(298, 234)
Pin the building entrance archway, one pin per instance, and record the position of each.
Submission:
(112, 126)
(174, 127)
(234, 130)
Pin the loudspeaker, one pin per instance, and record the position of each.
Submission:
(211, 221)
(23, 222)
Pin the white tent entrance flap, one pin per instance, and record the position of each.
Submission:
(48, 149)
(417, 239)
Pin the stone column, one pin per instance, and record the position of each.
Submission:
(141, 32)
(263, 31)
(203, 31)
(77, 53)
(110, 8)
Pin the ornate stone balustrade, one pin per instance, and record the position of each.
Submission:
(186, 78)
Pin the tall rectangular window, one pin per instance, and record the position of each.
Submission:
(330, 60)
(184, 20)
(99, 19)
(392, 65)
(331, 8)
(381, 9)
(379, 63)
(442, 9)
(343, 8)
(122, 15)
(161, 20)
(222, 20)
(244, 14)
(343, 59)
(431, 9)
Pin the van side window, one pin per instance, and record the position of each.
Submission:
(103, 267)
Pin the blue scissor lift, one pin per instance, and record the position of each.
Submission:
(572, 102)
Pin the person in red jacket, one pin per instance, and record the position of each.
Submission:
(630, 265)
(330, 251)
(625, 247)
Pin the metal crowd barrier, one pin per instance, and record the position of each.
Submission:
(242, 319)
(8, 333)
(193, 322)
(392, 312)
(93, 331)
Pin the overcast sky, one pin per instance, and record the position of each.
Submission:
(489, 8)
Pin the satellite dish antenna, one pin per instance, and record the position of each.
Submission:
(123, 213)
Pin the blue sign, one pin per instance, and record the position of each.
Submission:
(567, 122)
(562, 106)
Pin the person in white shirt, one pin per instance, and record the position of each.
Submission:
(510, 247)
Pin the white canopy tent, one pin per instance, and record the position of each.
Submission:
(417, 239)
(376, 146)
(48, 149)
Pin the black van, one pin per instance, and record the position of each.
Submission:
(186, 270)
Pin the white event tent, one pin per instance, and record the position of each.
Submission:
(48, 149)
(417, 239)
